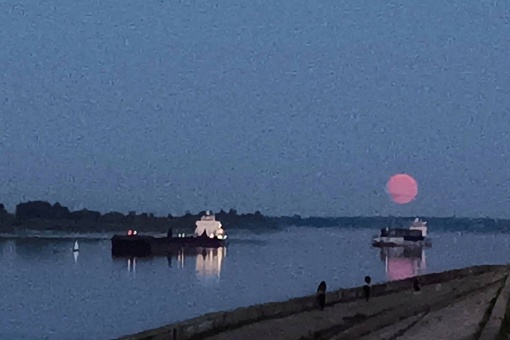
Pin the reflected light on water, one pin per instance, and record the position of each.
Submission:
(402, 263)
(180, 259)
(208, 263)
(75, 255)
(9, 249)
(131, 265)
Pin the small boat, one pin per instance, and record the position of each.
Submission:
(76, 247)
(208, 234)
(415, 235)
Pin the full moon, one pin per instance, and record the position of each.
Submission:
(402, 188)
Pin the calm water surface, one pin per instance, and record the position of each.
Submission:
(47, 293)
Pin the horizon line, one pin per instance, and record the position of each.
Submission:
(254, 212)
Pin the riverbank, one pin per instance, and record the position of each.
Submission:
(465, 297)
(43, 216)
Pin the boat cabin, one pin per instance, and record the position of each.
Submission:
(398, 232)
(419, 225)
(209, 226)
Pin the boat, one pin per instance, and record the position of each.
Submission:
(208, 233)
(414, 236)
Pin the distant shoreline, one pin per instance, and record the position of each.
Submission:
(42, 216)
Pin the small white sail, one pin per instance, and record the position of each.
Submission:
(76, 246)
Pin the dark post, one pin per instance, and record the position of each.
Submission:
(366, 287)
(416, 285)
(321, 295)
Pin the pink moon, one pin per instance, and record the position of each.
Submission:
(402, 188)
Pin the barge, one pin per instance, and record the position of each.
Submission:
(208, 234)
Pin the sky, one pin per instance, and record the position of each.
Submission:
(286, 107)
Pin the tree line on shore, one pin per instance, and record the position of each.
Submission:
(44, 215)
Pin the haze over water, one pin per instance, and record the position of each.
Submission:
(46, 294)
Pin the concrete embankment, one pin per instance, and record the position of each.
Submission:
(394, 309)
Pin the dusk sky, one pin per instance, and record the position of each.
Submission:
(280, 106)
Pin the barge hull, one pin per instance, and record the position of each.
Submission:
(391, 244)
(143, 246)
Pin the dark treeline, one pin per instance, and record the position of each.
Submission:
(42, 215)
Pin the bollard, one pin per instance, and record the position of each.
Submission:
(321, 295)
(366, 288)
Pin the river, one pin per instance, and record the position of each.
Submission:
(49, 292)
